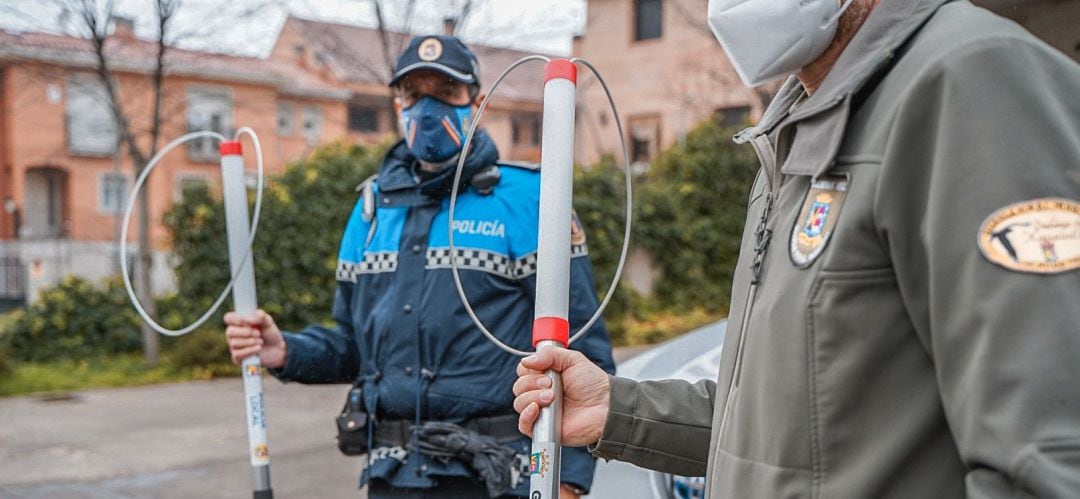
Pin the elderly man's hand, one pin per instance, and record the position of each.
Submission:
(586, 394)
(255, 334)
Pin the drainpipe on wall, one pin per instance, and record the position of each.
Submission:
(118, 216)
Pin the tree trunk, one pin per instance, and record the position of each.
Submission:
(145, 289)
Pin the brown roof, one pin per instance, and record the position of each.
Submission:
(354, 54)
(138, 55)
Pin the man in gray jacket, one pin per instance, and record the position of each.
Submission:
(905, 318)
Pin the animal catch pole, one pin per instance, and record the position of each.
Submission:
(551, 326)
(240, 236)
(244, 302)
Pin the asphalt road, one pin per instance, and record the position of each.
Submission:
(173, 441)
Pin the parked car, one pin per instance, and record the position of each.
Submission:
(692, 357)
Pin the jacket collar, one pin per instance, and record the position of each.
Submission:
(822, 117)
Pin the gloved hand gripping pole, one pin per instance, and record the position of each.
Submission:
(551, 326)
(244, 301)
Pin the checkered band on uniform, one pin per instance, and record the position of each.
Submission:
(579, 250)
(525, 266)
(373, 263)
(471, 259)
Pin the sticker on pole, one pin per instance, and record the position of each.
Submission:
(539, 463)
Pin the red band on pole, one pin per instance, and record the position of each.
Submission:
(230, 148)
(551, 328)
(560, 68)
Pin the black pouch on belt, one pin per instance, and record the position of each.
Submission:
(352, 424)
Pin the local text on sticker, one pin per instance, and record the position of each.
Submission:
(1038, 236)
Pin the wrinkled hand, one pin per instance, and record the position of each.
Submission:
(586, 394)
(251, 334)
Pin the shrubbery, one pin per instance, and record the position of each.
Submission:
(689, 214)
(295, 251)
(689, 211)
(79, 321)
(74, 320)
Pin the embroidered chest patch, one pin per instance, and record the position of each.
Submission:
(1039, 236)
(817, 219)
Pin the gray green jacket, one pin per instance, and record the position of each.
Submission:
(873, 347)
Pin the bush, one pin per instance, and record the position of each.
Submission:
(74, 320)
(599, 197)
(5, 361)
(690, 213)
(295, 251)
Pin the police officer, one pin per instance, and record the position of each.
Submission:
(906, 306)
(402, 335)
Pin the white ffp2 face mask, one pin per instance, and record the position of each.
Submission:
(766, 39)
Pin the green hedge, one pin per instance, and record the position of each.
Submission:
(74, 320)
(690, 213)
(295, 251)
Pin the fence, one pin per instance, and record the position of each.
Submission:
(12, 283)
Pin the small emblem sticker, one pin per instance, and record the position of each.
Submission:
(429, 49)
(1039, 236)
(538, 463)
(817, 219)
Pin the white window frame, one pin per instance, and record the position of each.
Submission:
(202, 111)
(88, 117)
(314, 115)
(288, 111)
(103, 204)
(180, 178)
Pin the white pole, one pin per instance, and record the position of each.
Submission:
(234, 191)
(551, 328)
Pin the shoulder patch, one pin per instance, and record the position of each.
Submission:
(1040, 236)
(524, 165)
(817, 219)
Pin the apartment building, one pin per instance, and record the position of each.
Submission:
(668, 73)
(361, 60)
(64, 182)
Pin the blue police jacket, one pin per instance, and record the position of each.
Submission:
(402, 329)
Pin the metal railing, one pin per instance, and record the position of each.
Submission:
(12, 278)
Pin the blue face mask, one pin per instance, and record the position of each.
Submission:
(435, 130)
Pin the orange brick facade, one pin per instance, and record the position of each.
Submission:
(56, 213)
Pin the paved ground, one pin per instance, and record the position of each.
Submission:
(173, 441)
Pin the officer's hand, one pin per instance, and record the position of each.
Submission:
(586, 394)
(252, 334)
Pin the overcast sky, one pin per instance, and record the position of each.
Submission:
(249, 27)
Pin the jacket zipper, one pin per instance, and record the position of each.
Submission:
(763, 236)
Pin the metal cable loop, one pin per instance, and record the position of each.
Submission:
(453, 201)
(150, 165)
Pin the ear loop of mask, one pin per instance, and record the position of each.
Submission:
(836, 17)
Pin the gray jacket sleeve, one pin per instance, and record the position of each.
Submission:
(990, 124)
(660, 425)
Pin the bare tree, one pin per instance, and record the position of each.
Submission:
(93, 23)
